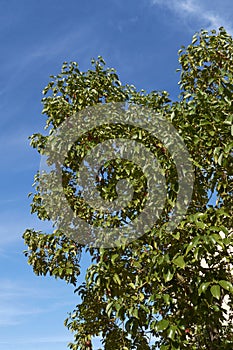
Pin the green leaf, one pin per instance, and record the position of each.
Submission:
(203, 287)
(116, 279)
(109, 308)
(135, 313)
(215, 291)
(179, 261)
(192, 244)
(226, 285)
(141, 297)
(114, 257)
(200, 225)
(162, 325)
(220, 159)
(171, 332)
(132, 285)
(168, 276)
(166, 298)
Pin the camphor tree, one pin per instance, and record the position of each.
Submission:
(167, 289)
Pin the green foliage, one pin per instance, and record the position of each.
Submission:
(54, 254)
(165, 290)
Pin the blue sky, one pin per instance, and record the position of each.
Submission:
(140, 38)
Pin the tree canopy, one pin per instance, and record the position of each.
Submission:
(167, 289)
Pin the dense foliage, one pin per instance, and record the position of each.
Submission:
(165, 290)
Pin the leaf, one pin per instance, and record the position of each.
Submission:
(172, 115)
(162, 325)
(200, 225)
(116, 279)
(168, 276)
(132, 285)
(179, 261)
(194, 39)
(166, 298)
(220, 159)
(171, 332)
(215, 291)
(114, 257)
(109, 308)
(192, 245)
(135, 313)
(141, 297)
(177, 235)
(128, 325)
(203, 287)
(226, 285)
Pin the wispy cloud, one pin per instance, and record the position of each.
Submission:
(12, 307)
(18, 301)
(61, 46)
(13, 315)
(14, 223)
(183, 7)
(209, 16)
(47, 340)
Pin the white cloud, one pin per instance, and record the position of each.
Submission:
(209, 15)
(14, 222)
(56, 48)
(47, 340)
(12, 307)
(19, 303)
(183, 6)
(13, 315)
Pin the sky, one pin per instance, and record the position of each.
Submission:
(140, 38)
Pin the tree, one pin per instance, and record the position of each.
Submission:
(167, 289)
